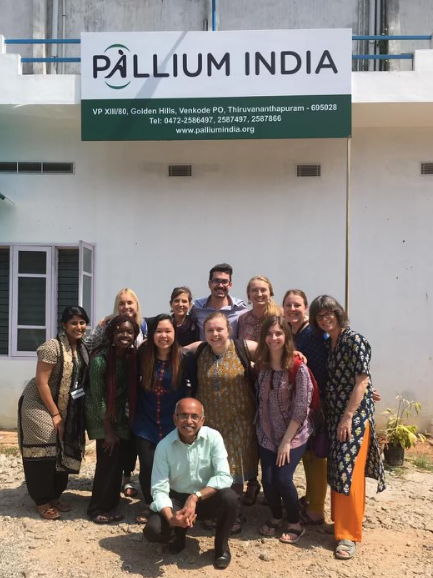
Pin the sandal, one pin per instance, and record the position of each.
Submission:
(237, 526)
(307, 520)
(115, 517)
(272, 527)
(144, 516)
(102, 519)
(129, 490)
(250, 495)
(345, 550)
(48, 512)
(61, 506)
(295, 532)
(107, 518)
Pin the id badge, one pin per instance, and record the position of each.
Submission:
(77, 393)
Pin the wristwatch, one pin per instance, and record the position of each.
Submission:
(199, 496)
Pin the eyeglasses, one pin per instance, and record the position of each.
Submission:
(185, 416)
(223, 282)
(325, 316)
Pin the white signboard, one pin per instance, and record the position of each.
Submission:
(165, 81)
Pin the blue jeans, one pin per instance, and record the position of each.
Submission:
(278, 483)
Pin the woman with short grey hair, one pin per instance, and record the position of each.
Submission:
(354, 452)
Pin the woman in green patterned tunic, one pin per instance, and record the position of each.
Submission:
(51, 415)
(110, 405)
(354, 452)
(227, 394)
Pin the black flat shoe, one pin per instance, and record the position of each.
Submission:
(223, 561)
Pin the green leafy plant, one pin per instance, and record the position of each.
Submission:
(397, 431)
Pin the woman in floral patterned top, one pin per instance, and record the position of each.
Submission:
(284, 391)
(354, 451)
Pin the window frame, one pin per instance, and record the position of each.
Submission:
(82, 246)
(51, 293)
(15, 276)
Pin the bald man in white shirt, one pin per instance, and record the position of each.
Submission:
(191, 478)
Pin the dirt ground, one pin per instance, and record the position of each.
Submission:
(397, 541)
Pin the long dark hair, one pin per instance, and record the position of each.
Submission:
(149, 351)
(262, 358)
(110, 377)
(72, 311)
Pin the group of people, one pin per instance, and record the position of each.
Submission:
(274, 384)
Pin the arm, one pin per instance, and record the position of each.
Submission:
(300, 405)
(95, 338)
(301, 356)
(97, 373)
(221, 479)
(193, 346)
(252, 347)
(344, 431)
(105, 321)
(361, 352)
(43, 373)
(221, 470)
(161, 492)
(283, 453)
(187, 516)
(160, 481)
(111, 439)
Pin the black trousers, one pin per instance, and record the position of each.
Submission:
(44, 483)
(223, 505)
(107, 482)
(130, 456)
(146, 452)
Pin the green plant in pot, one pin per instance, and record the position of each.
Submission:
(399, 434)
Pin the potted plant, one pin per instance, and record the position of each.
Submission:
(399, 435)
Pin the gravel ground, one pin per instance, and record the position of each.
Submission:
(398, 537)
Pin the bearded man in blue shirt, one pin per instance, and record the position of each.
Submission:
(191, 478)
(220, 283)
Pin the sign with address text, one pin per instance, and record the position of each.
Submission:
(216, 85)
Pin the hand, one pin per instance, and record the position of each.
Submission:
(344, 430)
(300, 355)
(105, 320)
(181, 520)
(190, 508)
(376, 396)
(283, 454)
(110, 441)
(59, 425)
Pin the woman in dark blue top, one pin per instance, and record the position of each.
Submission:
(295, 306)
(165, 380)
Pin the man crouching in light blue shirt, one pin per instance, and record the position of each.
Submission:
(191, 478)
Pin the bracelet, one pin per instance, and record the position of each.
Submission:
(55, 414)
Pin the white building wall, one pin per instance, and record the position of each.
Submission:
(391, 272)
(243, 205)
